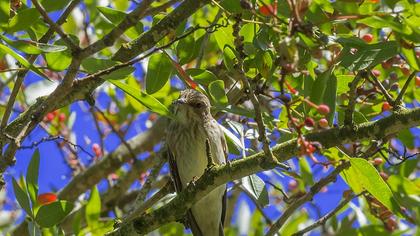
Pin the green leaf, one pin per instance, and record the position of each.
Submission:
(147, 100)
(4, 12)
(229, 57)
(93, 65)
(159, 70)
(22, 197)
(330, 97)
(264, 63)
(343, 83)
(59, 61)
(319, 86)
(23, 20)
(188, 48)
(362, 175)
(31, 47)
(93, 208)
(379, 22)
(256, 186)
(54, 5)
(113, 15)
(217, 92)
(53, 213)
(356, 57)
(224, 36)
(411, 58)
(234, 144)
(21, 60)
(32, 176)
(406, 137)
(201, 76)
(400, 184)
(305, 171)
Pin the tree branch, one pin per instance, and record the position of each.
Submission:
(55, 27)
(149, 39)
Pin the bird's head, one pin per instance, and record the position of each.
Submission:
(192, 106)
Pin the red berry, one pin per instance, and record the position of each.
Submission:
(268, 10)
(50, 117)
(405, 70)
(376, 73)
(292, 184)
(378, 161)
(347, 194)
(384, 175)
(62, 117)
(310, 149)
(386, 65)
(386, 106)
(367, 38)
(391, 224)
(46, 198)
(97, 150)
(309, 122)
(418, 81)
(323, 123)
(152, 116)
(323, 109)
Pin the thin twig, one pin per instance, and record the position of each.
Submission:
(378, 83)
(404, 88)
(307, 197)
(321, 221)
(122, 139)
(254, 99)
(54, 138)
(210, 28)
(55, 27)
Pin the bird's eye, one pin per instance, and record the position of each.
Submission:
(198, 105)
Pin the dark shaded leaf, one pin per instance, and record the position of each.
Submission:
(53, 213)
(147, 100)
(32, 176)
(159, 69)
(21, 197)
(256, 186)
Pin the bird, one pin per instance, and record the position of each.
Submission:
(188, 135)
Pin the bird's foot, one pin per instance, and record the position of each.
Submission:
(210, 166)
(192, 182)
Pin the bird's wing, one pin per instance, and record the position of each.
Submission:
(192, 223)
(224, 199)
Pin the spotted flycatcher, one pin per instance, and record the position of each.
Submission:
(188, 157)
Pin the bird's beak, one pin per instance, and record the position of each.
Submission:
(179, 101)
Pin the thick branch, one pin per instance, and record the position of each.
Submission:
(175, 209)
(149, 39)
(85, 180)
